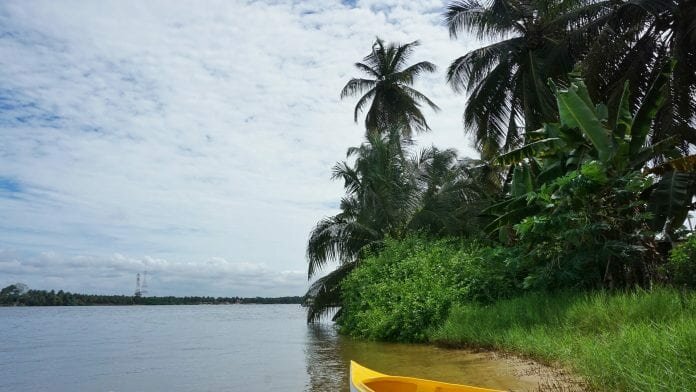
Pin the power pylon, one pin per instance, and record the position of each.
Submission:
(138, 287)
(143, 286)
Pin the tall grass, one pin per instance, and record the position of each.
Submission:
(638, 341)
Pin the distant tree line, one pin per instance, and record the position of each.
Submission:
(20, 295)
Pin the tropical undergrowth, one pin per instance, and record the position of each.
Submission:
(682, 264)
(583, 113)
(407, 288)
(471, 293)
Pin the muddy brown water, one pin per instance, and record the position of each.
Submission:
(327, 359)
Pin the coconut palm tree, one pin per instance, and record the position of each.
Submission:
(536, 40)
(388, 91)
(452, 192)
(639, 38)
(379, 197)
(391, 191)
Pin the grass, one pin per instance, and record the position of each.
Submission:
(638, 341)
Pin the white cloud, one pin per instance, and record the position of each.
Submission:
(188, 131)
(113, 273)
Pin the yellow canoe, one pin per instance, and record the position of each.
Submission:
(363, 379)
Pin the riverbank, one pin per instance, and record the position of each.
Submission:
(534, 376)
(639, 341)
(20, 295)
(468, 295)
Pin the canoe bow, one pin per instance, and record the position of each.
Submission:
(363, 379)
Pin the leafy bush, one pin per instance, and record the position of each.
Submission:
(682, 263)
(588, 232)
(409, 287)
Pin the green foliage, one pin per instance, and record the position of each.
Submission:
(394, 103)
(638, 37)
(577, 111)
(401, 292)
(409, 286)
(12, 293)
(682, 263)
(670, 200)
(579, 204)
(587, 232)
(506, 81)
(392, 190)
(634, 341)
(588, 188)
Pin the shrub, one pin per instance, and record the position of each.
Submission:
(589, 232)
(409, 287)
(682, 263)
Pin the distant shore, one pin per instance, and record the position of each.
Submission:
(20, 295)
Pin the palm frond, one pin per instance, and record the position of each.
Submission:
(467, 70)
(325, 293)
(370, 94)
(402, 54)
(486, 113)
(357, 86)
(367, 69)
(417, 96)
(390, 105)
(497, 19)
(324, 244)
(409, 74)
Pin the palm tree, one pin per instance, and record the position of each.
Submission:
(392, 192)
(638, 39)
(379, 195)
(507, 80)
(452, 192)
(388, 90)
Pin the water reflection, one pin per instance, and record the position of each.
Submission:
(328, 356)
(207, 348)
(326, 366)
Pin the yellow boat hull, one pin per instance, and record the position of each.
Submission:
(363, 379)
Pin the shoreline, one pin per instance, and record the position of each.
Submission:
(544, 377)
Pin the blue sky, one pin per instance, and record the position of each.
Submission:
(191, 139)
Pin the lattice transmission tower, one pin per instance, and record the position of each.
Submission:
(143, 285)
(140, 285)
(138, 289)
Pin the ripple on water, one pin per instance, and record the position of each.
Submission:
(208, 348)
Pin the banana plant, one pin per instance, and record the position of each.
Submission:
(671, 198)
(587, 131)
(614, 137)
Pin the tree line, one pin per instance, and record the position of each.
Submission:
(20, 295)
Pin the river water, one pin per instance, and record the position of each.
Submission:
(207, 348)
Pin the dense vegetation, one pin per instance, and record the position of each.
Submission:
(584, 115)
(585, 165)
(19, 295)
(407, 288)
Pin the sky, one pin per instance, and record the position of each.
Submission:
(193, 140)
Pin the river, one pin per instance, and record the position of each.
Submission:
(208, 348)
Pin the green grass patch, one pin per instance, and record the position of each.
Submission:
(637, 341)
